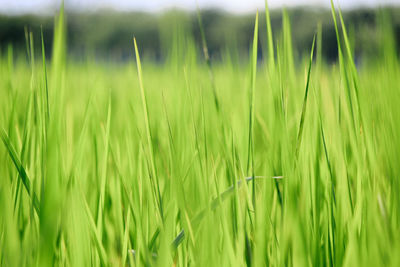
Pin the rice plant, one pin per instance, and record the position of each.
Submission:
(278, 161)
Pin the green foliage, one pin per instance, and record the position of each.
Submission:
(103, 34)
(285, 161)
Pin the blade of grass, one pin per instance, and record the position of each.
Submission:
(213, 205)
(271, 55)
(207, 58)
(250, 151)
(95, 233)
(21, 170)
(46, 104)
(303, 110)
(153, 175)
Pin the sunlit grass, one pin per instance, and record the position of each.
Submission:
(276, 162)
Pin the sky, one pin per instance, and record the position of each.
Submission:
(15, 7)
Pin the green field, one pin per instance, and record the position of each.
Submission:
(278, 161)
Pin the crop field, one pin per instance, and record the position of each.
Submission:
(278, 160)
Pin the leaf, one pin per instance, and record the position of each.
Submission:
(21, 170)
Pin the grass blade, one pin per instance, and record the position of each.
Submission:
(153, 175)
(303, 110)
(21, 170)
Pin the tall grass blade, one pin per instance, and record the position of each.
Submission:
(153, 175)
(303, 110)
(21, 170)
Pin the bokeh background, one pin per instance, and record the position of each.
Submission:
(103, 30)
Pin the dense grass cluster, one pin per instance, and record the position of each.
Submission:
(279, 162)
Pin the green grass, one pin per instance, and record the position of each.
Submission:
(287, 161)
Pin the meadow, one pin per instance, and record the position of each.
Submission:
(275, 161)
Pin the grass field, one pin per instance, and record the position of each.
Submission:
(284, 161)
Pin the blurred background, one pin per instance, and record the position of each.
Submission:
(103, 29)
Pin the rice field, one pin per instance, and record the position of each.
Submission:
(278, 161)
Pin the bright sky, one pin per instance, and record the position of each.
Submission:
(237, 6)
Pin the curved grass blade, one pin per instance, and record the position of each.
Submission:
(95, 233)
(213, 205)
(303, 111)
(21, 170)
